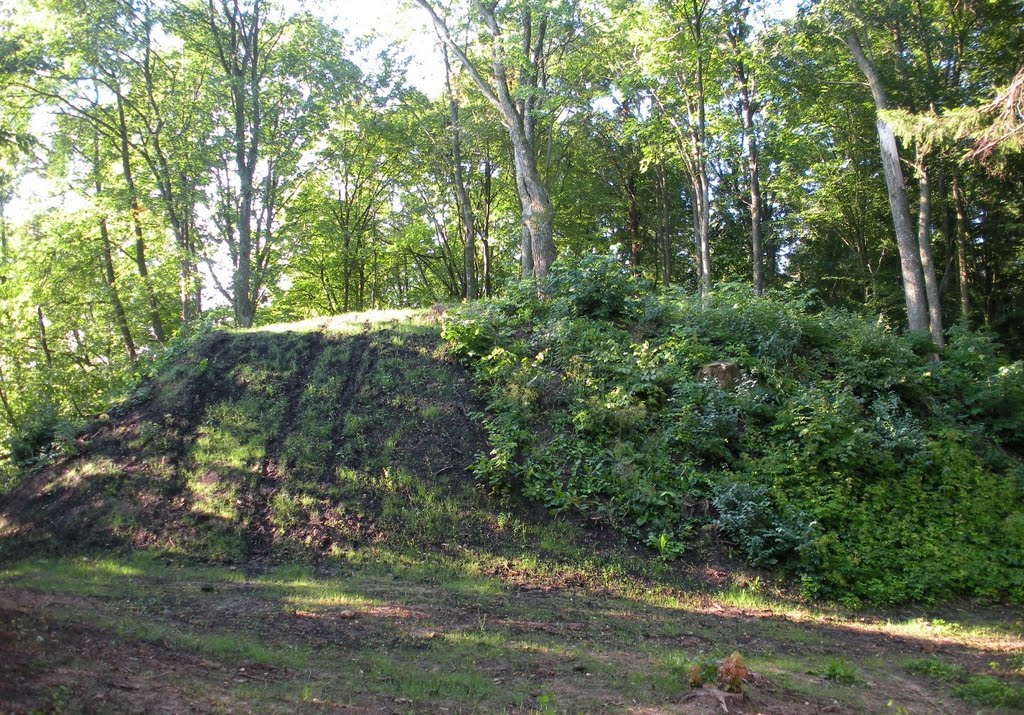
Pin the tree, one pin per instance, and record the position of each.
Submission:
(906, 241)
(461, 192)
(673, 44)
(738, 34)
(515, 87)
(277, 99)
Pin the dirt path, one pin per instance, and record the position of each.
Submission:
(373, 637)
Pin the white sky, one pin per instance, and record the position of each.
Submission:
(393, 20)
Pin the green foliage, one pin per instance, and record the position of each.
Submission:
(765, 534)
(984, 690)
(991, 692)
(728, 673)
(598, 286)
(40, 434)
(937, 669)
(842, 455)
(840, 671)
(701, 671)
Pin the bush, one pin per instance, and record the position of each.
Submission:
(599, 287)
(38, 436)
(843, 455)
(766, 534)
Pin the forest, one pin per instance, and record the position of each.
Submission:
(170, 163)
(512, 356)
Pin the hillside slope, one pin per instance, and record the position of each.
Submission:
(304, 439)
(283, 522)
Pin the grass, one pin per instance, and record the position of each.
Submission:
(978, 689)
(442, 632)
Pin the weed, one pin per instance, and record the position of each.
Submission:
(701, 671)
(988, 691)
(546, 704)
(841, 672)
(936, 669)
(732, 672)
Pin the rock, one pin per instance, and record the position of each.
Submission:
(726, 374)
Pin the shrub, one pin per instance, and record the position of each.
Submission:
(600, 287)
(40, 434)
(843, 455)
(766, 534)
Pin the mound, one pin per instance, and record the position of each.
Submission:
(299, 440)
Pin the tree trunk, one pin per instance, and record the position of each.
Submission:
(961, 249)
(7, 405)
(115, 299)
(906, 241)
(754, 171)
(701, 217)
(666, 233)
(181, 223)
(239, 52)
(346, 271)
(461, 193)
(536, 204)
(140, 243)
(924, 242)
(3, 223)
(538, 247)
(946, 226)
(702, 196)
(633, 222)
(242, 280)
(485, 236)
(43, 343)
(738, 32)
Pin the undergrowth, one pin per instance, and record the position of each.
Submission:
(843, 454)
(984, 690)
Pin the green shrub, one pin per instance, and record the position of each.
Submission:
(599, 287)
(839, 670)
(937, 669)
(40, 434)
(843, 455)
(766, 534)
(991, 692)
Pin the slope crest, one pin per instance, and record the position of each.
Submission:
(291, 441)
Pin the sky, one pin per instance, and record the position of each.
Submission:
(394, 20)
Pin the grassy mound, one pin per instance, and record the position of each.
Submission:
(843, 453)
(295, 441)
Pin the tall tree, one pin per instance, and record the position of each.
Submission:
(277, 101)
(674, 44)
(515, 86)
(738, 33)
(906, 240)
(461, 192)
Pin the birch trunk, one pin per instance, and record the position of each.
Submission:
(906, 242)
